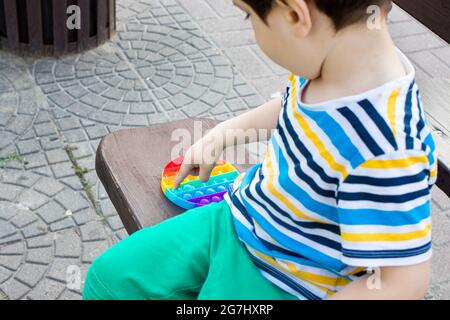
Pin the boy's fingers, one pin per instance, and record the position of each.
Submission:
(205, 172)
(183, 173)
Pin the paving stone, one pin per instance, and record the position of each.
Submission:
(18, 178)
(93, 231)
(34, 229)
(70, 295)
(69, 123)
(429, 62)
(59, 268)
(71, 200)
(5, 274)
(439, 292)
(6, 229)
(419, 42)
(12, 249)
(42, 255)
(92, 250)
(45, 129)
(51, 212)
(439, 264)
(32, 199)
(115, 223)
(46, 290)
(97, 131)
(73, 136)
(62, 224)
(9, 192)
(62, 170)
(45, 240)
(24, 218)
(35, 160)
(28, 146)
(14, 289)
(56, 155)
(48, 186)
(440, 198)
(67, 244)
(30, 274)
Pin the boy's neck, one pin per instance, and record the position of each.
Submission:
(358, 59)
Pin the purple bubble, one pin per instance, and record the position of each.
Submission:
(204, 201)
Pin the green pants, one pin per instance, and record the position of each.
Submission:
(195, 255)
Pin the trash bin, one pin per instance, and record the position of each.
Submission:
(55, 27)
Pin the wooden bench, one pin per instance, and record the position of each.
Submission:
(129, 163)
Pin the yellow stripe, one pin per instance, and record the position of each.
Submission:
(291, 77)
(281, 197)
(392, 106)
(274, 263)
(434, 172)
(363, 237)
(394, 164)
(314, 138)
(316, 278)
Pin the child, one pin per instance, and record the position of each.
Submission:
(344, 189)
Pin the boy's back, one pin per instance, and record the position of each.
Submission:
(344, 186)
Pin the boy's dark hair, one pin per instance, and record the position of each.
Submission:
(342, 12)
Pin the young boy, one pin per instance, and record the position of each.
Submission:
(344, 189)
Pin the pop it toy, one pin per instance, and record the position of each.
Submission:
(193, 192)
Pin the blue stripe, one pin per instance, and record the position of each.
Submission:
(337, 136)
(409, 142)
(387, 182)
(292, 188)
(378, 120)
(249, 238)
(383, 198)
(302, 175)
(303, 150)
(421, 123)
(315, 238)
(384, 218)
(361, 131)
(303, 224)
(286, 280)
(385, 254)
(291, 243)
(429, 141)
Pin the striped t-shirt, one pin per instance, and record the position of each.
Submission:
(344, 187)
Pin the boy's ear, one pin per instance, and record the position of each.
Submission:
(298, 14)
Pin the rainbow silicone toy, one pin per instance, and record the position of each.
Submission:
(193, 192)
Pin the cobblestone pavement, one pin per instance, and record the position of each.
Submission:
(170, 60)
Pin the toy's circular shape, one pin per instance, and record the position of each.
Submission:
(193, 192)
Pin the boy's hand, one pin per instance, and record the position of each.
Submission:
(201, 156)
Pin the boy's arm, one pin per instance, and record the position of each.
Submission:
(264, 117)
(390, 283)
(244, 128)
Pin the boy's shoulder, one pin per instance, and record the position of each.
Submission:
(382, 124)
